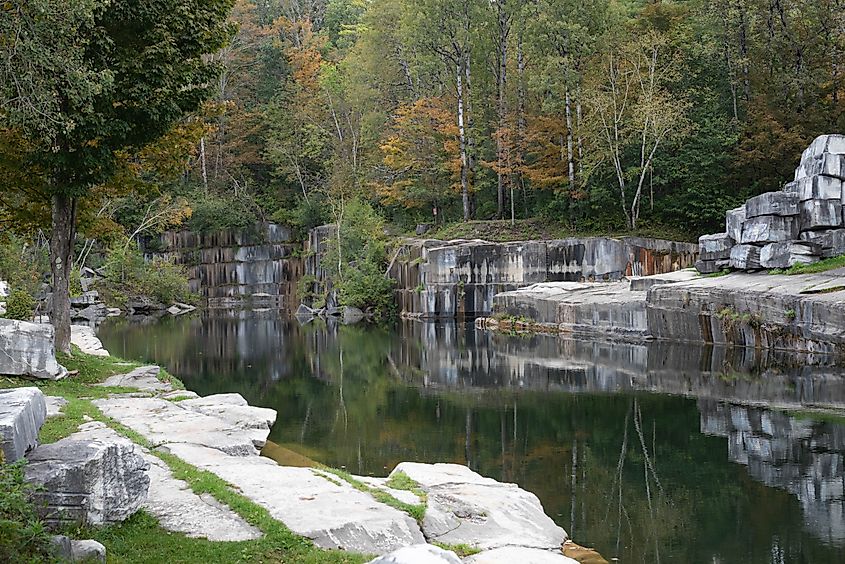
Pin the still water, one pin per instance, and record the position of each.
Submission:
(658, 453)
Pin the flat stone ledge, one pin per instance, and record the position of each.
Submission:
(514, 554)
(179, 509)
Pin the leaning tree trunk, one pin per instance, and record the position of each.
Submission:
(61, 255)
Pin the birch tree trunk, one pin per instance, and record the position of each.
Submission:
(463, 143)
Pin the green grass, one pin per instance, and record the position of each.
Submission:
(415, 511)
(462, 550)
(539, 229)
(815, 268)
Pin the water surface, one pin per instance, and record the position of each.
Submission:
(659, 453)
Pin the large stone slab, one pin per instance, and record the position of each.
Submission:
(831, 144)
(820, 214)
(745, 257)
(769, 229)
(712, 266)
(22, 412)
(819, 188)
(418, 554)
(467, 508)
(330, 512)
(144, 378)
(715, 247)
(513, 554)
(179, 509)
(235, 410)
(163, 422)
(772, 203)
(734, 220)
(92, 477)
(28, 350)
(784, 255)
(84, 337)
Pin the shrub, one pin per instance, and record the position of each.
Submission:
(365, 287)
(22, 536)
(20, 305)
(23, 265)
(128, 275)
(216, 212)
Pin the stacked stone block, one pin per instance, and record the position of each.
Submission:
(801, 224)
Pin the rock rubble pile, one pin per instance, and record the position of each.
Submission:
(801, 224)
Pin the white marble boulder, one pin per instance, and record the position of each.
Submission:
(820, 214)
(745, 257)
(715, 247)
(144, 378)
(819, 188)
(789, 253)
(831, 241)
(28, 350)
(734, 220)
(772, 203)
(418, 554)
(93, 477)
(22, 412)
(769, 229)
(464, 507)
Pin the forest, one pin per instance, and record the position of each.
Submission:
(123, 119)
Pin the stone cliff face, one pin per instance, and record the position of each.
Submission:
(448, 279)
(231, 268)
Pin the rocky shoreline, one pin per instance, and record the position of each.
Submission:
(802, 313)
(99, 475)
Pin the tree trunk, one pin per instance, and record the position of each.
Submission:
(504, 32)
(463, 143)
(570, 154)
(61, 256)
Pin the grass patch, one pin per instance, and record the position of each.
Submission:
(415, 511)
(462, 550)
(822, 266)
(401, 481)
(500, 231)
(717, 274)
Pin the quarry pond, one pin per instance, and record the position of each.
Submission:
(649, 453)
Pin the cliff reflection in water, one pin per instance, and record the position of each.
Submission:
(625, 445)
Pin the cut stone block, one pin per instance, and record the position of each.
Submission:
(790, 253)
(745, 257)
(28, 350)
(712, 266)
(834, 144)
(817, 214)
(769, 229)
(825, 165)
(733, 223)
(772, 203)
(92, 477)
(832, 241)
(714, 247)
(820, 188)
(22, 412)
(791, 187)
(144, 378)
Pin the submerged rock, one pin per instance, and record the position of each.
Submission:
(28, 350)
(22, 412)
(92, 477)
